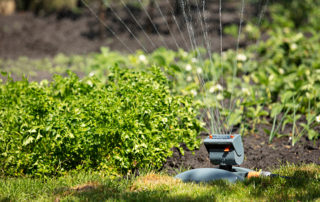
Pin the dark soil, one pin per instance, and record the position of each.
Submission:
(25, 34)
(258, 154)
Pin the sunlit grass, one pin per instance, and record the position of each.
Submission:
(303, 185)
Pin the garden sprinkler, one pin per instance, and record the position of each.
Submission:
(226, 151)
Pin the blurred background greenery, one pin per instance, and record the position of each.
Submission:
(299, 11)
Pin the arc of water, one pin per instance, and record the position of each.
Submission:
(234, 71)
(213, 113)
(190, 28)
(216, 111)
(188, 16)
(221, 48)
(194, 45)
(261, 15)
(106, 26)
(154, 27)
(126, 26)
(176, 22)
(221, 41)
(221, 37)
(216, 116)
(139, 25)
(129, 30)
(183, 6)
(165, 20)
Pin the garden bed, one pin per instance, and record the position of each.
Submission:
(24, 34)
(259, 154)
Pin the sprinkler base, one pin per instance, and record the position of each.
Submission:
(212, 174)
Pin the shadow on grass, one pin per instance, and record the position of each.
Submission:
(5, 199)
(155, 195)
(301, 186)
(102, 193)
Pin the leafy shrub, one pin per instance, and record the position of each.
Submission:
(295, 14)
(127, 123)
(291, 75)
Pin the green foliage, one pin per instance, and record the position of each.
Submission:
(271, 79)
(126, 123)
(232, 30)
(275, 82)
(297, 13)
(291, 74)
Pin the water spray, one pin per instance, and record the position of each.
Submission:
(226, 151)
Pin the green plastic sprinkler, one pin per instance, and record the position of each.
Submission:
(226, 151)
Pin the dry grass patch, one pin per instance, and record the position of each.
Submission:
(154, 181)
(85, 187)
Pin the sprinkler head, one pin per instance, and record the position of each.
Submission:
(225, 150)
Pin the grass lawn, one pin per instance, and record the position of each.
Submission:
(304, 185)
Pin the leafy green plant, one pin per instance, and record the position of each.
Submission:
(261, 79)
(297, 14)
(128, 122)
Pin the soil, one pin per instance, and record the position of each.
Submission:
(259, 154)
(24, 34)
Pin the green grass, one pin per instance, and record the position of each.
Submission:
(304, 185)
